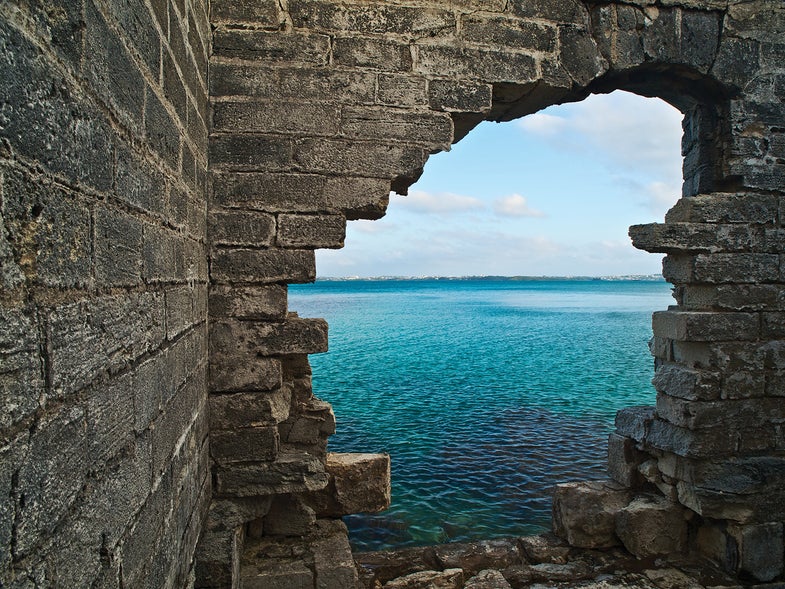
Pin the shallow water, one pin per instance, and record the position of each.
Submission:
(484, 393)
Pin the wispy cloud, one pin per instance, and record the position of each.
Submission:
(622, 129)
(371, 227)
(515, 205)
(660, 196)
(441, 203)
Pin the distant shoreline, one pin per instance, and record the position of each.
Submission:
(629, 277)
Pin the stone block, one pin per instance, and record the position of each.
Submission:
(545, 548)
(118, 248)
(757, 550)
(333, 559)
(53, 228)
(687, 383)
(21, 370)
(169, 428)
(377, 54)
(105, 333)
(180, 310)
(375, 18)
(280, 83)
(579, 55)
(401, 90)
(140, 543)
(138, 182)
(271, 46)
(651, 526)
(249, 409)
(725, 208)
(693, 237)
(244, 372)
(110, 419)
(634, 422)
(294, 336)
(270, 192)
(584, 514)
(733, 297)
(568, 11)
(161, 132)
(722, 440)
(477, 556)
(623, 460)
(360, 158)
(12, 455)
(263, 266)
(291, 473)
(739, 268)
(311, 424)
(505, 32)
(459, 96)
(358, 198)
(288, 516)
(358, 483)
(474, 64)
(705, 326)
(241, 228)
(250, 444)
(449, 579)
(311, 231)
(251, 152)
(111, 71)
(433, 130)
(488, 579)
(50, 478)
(267, 13)
(53, 123)
(737, 414)
(276, 117)
(257, 303)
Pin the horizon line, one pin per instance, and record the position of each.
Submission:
(499, 277)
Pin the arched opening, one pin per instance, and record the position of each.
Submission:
(488, 392)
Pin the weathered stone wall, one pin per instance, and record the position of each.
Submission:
(320, 107)
(104, 475)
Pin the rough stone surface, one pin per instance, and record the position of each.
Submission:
(113, 229)
(584, 514)
(652, 526)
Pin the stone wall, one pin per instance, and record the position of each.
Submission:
(103, 343)
(317, 109)
(320, 107)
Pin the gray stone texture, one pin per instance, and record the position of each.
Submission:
(310, 112)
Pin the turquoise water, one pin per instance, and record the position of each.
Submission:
(484, 393)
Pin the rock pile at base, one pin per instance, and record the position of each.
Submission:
(535, 562)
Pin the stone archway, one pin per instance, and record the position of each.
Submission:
(319, 107)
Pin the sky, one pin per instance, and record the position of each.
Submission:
(550, 194)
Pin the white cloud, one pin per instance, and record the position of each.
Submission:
(371, 227)
(440, 203)
(660, 196)
(543, 124)
(515, 205)
(622, 129)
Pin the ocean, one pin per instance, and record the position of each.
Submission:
(485, 393)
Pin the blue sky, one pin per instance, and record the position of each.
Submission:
(549, 194)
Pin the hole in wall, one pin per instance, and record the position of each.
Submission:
(487, 392)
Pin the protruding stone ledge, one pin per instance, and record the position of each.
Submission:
(242, 339)
(725, 208)
(358, 483)
(670, 238)
(297, 473)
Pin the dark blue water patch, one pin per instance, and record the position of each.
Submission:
(484, 394)
(491, 475)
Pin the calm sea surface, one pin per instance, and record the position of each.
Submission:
(484, 393)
